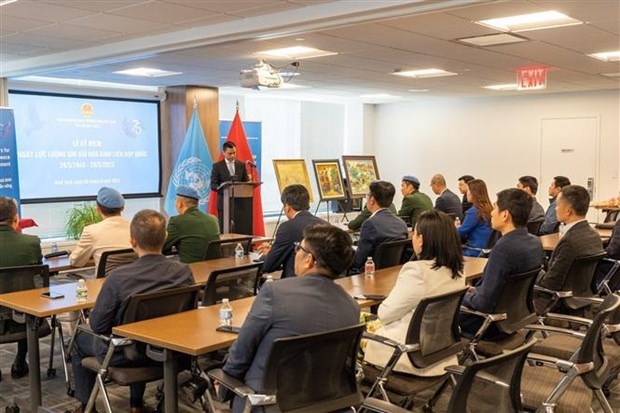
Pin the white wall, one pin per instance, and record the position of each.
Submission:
(495, 139)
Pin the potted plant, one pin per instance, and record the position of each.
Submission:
(80, 216)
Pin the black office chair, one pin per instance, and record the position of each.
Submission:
(610, 282)
(144, 370)
(486, 386)
(567, 385)
(390, 253)
(433, 336)
(21, 278)
(534, 226)
(328, 363)
(232, 283)
(513, 311)
(114, 258)
(226, 247)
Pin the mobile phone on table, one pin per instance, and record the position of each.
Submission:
(375, 297)
(52, 295)
(228, 329)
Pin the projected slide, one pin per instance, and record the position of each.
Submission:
(69, 147)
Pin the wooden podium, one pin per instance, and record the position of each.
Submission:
(238, 206)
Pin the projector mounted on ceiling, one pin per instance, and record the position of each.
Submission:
(261, 74)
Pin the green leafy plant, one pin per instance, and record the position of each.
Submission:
(80, 216)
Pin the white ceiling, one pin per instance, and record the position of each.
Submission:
(211, 41)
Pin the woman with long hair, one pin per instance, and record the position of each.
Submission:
(475, 231)
(437, 270)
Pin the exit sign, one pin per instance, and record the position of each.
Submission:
(531, 78)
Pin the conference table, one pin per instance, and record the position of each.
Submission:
(550, 241)
(193, 332)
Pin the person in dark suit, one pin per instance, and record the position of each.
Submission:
(529, 184)
(447, 201)
(613, 252)
(17, 249)
(308, 303)
(192, 230)
(382, 225)
(516, 252)
(296, 203)
(463, 188)
(577, 239)
(228, 169)
(151, 272)
(551, 225)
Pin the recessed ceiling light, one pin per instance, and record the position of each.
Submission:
(492, 39)
(617, 74)
(5, 2)
(418, 90)
(290, 86)
(85, 83)
(289, 74)
(505, 86)
(532, 21)
(147, 72)
(607, 56)
(419, 74)
(295, 52)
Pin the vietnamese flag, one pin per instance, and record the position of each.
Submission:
(236, 135)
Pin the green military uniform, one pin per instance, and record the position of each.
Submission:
(413, 205)
(357, 222)
(191, 233)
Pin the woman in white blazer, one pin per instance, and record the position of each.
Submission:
(438, 270)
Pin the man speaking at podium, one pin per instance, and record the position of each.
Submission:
(228, 169)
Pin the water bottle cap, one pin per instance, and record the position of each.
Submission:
(225, 300)
(369, 258)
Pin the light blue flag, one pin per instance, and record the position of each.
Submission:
(193, 167)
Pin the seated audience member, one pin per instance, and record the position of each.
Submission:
(357, 222)
(414, 201)
(281, 255)
(151, 272)
(17, 249)
(110, 234)
(192, 230)
(308, 303)
(516, 252)
(613, 252)
(447, 201)
(463, 181)
(529, 184)
(577, 239)
(382, 225)
(475, 230)
(437, 271)
(551, 224)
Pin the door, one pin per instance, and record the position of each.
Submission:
(569, 147)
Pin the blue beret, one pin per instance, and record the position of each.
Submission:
(412, 179)
(188, 192)
(110, 198)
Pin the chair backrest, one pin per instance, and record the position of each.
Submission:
(434, 325)
(580, 279)
(114, 258)
(21, 278)
(494, 236)
(157, 304)
(390, 253)
(232, 283)
(474, 393)
(534, 226)
(611, 281)
(516, 300)
(327, 361)
(226, 247)
(591, 349)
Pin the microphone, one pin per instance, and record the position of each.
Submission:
(252, 164)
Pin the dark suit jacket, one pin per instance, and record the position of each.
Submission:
(514, 253)
(283, 308)
(449, 203)
(220, 174)
(282, 251)
(377, 229)
(579, 241)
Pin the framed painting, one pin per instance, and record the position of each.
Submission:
(360, 172)
(292, 171)
(329, 179)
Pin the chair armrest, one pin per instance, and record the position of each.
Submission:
(455, 369)
(382, 406)
(155, 353)
(553, 329)
(231, 383)
(536, 359)
(18, 317)
(490, 316)
(404, 348)
(569, 318)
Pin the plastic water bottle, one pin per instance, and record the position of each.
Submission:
(226, 313)
(54, 248)
(239, 251)
(269, 278)
(81, 292)
(369, 267)
(457, 222)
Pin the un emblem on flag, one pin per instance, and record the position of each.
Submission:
(193, 172)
